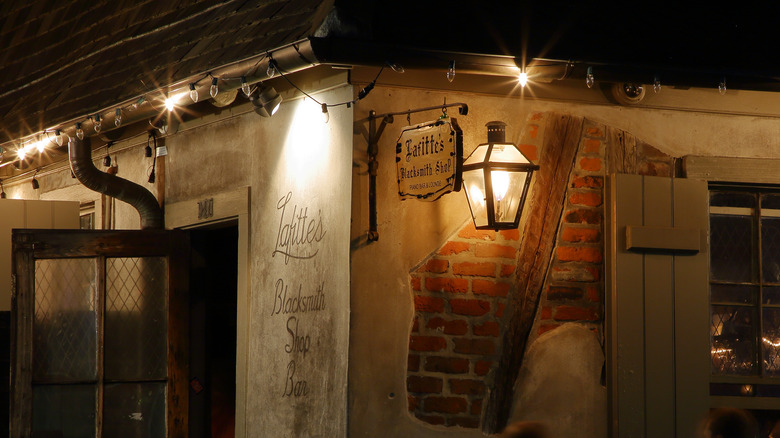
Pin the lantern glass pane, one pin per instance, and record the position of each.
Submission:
(507, 191)
(507, 153)
(478, 155)
(473, 181)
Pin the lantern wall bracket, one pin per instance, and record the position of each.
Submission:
(372, 136)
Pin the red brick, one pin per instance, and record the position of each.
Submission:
(485, 269)
(575, 274)
(488, 328)
(579, 254)
(513, 234)
(537, 116)
(588, 182)
(544, 328)
(466, 422)
(456, 327)
(469, 307)
(416, 283)
(563, 293)
(471, 232)
(432, 419)
(594, 295)
(420, 384)
(491, 288)
(428, 304)
(590, 164)
(583, 216)
(507, 270)
(437, 266)
(412, 402)
(591, 199)
(546, 313)
(413, 363)
(445, 405)
(495, 250)
(415, 325)
(445, 284)
(476, 407)
(449, 365)
(594, 131)
(572, 313)
(532, 130)
(482, 347)
(451, 248)
(594, 272)
(591, 146)
(500, 309)
(467, 386)
(482, 367)
(529, 150)
(581, 235)
(427, 343)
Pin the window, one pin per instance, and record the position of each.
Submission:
(745, 292)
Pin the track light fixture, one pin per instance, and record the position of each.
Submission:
(267, 101)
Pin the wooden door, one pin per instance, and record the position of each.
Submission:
(99, 333)
(657, 306)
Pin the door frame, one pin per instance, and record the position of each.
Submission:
(211, 209)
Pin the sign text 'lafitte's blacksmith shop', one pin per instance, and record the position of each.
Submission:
(428, 159)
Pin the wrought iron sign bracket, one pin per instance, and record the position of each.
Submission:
(373, 135)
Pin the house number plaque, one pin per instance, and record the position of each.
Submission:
(206, 208)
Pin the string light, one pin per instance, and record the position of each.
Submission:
(214, 90)
(79, 131)
(522, 78)
(137, 103)
(41, 145)
(58, 137)
(2, 190)
(21, 153)
(193, 93)
(118, 117)
(245, 86)
(589, 78)
(451, 72)
(722, 86)
(325, 114)
(170, 103)
(97, 125)
(35, 184)
(656, 84)
(271, 70)
(398, 68)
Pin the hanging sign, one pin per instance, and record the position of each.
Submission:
(428, 159)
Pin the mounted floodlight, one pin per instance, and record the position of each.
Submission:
(267, 101)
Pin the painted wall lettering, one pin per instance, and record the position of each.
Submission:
(298, 232)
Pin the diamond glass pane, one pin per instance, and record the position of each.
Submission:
(136, 333)
(732, 248)
(732, 199)
(733, 334)
(66, 411)
(134, 410)
(770, 342)
(733, 294)
(770, 250)
(771, 295)
(65, 325)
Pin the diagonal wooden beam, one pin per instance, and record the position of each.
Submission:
(561, 140)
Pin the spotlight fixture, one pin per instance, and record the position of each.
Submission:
(35, 184)
(193, 93)
(267, 101)
(97, 123)
(79, 131)
(118, 117)
(451, 71)
(522, 78)
(214, 90)
(589, 78)
(325, 114)
(245, 86)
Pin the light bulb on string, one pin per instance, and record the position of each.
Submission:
(97, 125)
(522, 78)
(214, 90)
(193, 93)
(79, 131)
(118, 117)
(21, 153)
(589, 78)
(398, 68)
(58, 137)
(245, 86)
(325, 114)
(41, 145)
(137, 103)
(451, 71)
(656, 84)
(271, 70)
(722, 86)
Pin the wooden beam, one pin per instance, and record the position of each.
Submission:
(561, 140)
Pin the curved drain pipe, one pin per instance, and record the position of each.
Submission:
(80, 155)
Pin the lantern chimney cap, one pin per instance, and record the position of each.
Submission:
(496, 131)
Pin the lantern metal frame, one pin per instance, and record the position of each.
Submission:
(496, 137)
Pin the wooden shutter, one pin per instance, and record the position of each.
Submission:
(657, 306)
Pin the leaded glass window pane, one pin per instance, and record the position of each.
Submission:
(731, 248)
(134, 410)
(66, 411)
(733, 333)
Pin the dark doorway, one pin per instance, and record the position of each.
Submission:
(214, 278)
